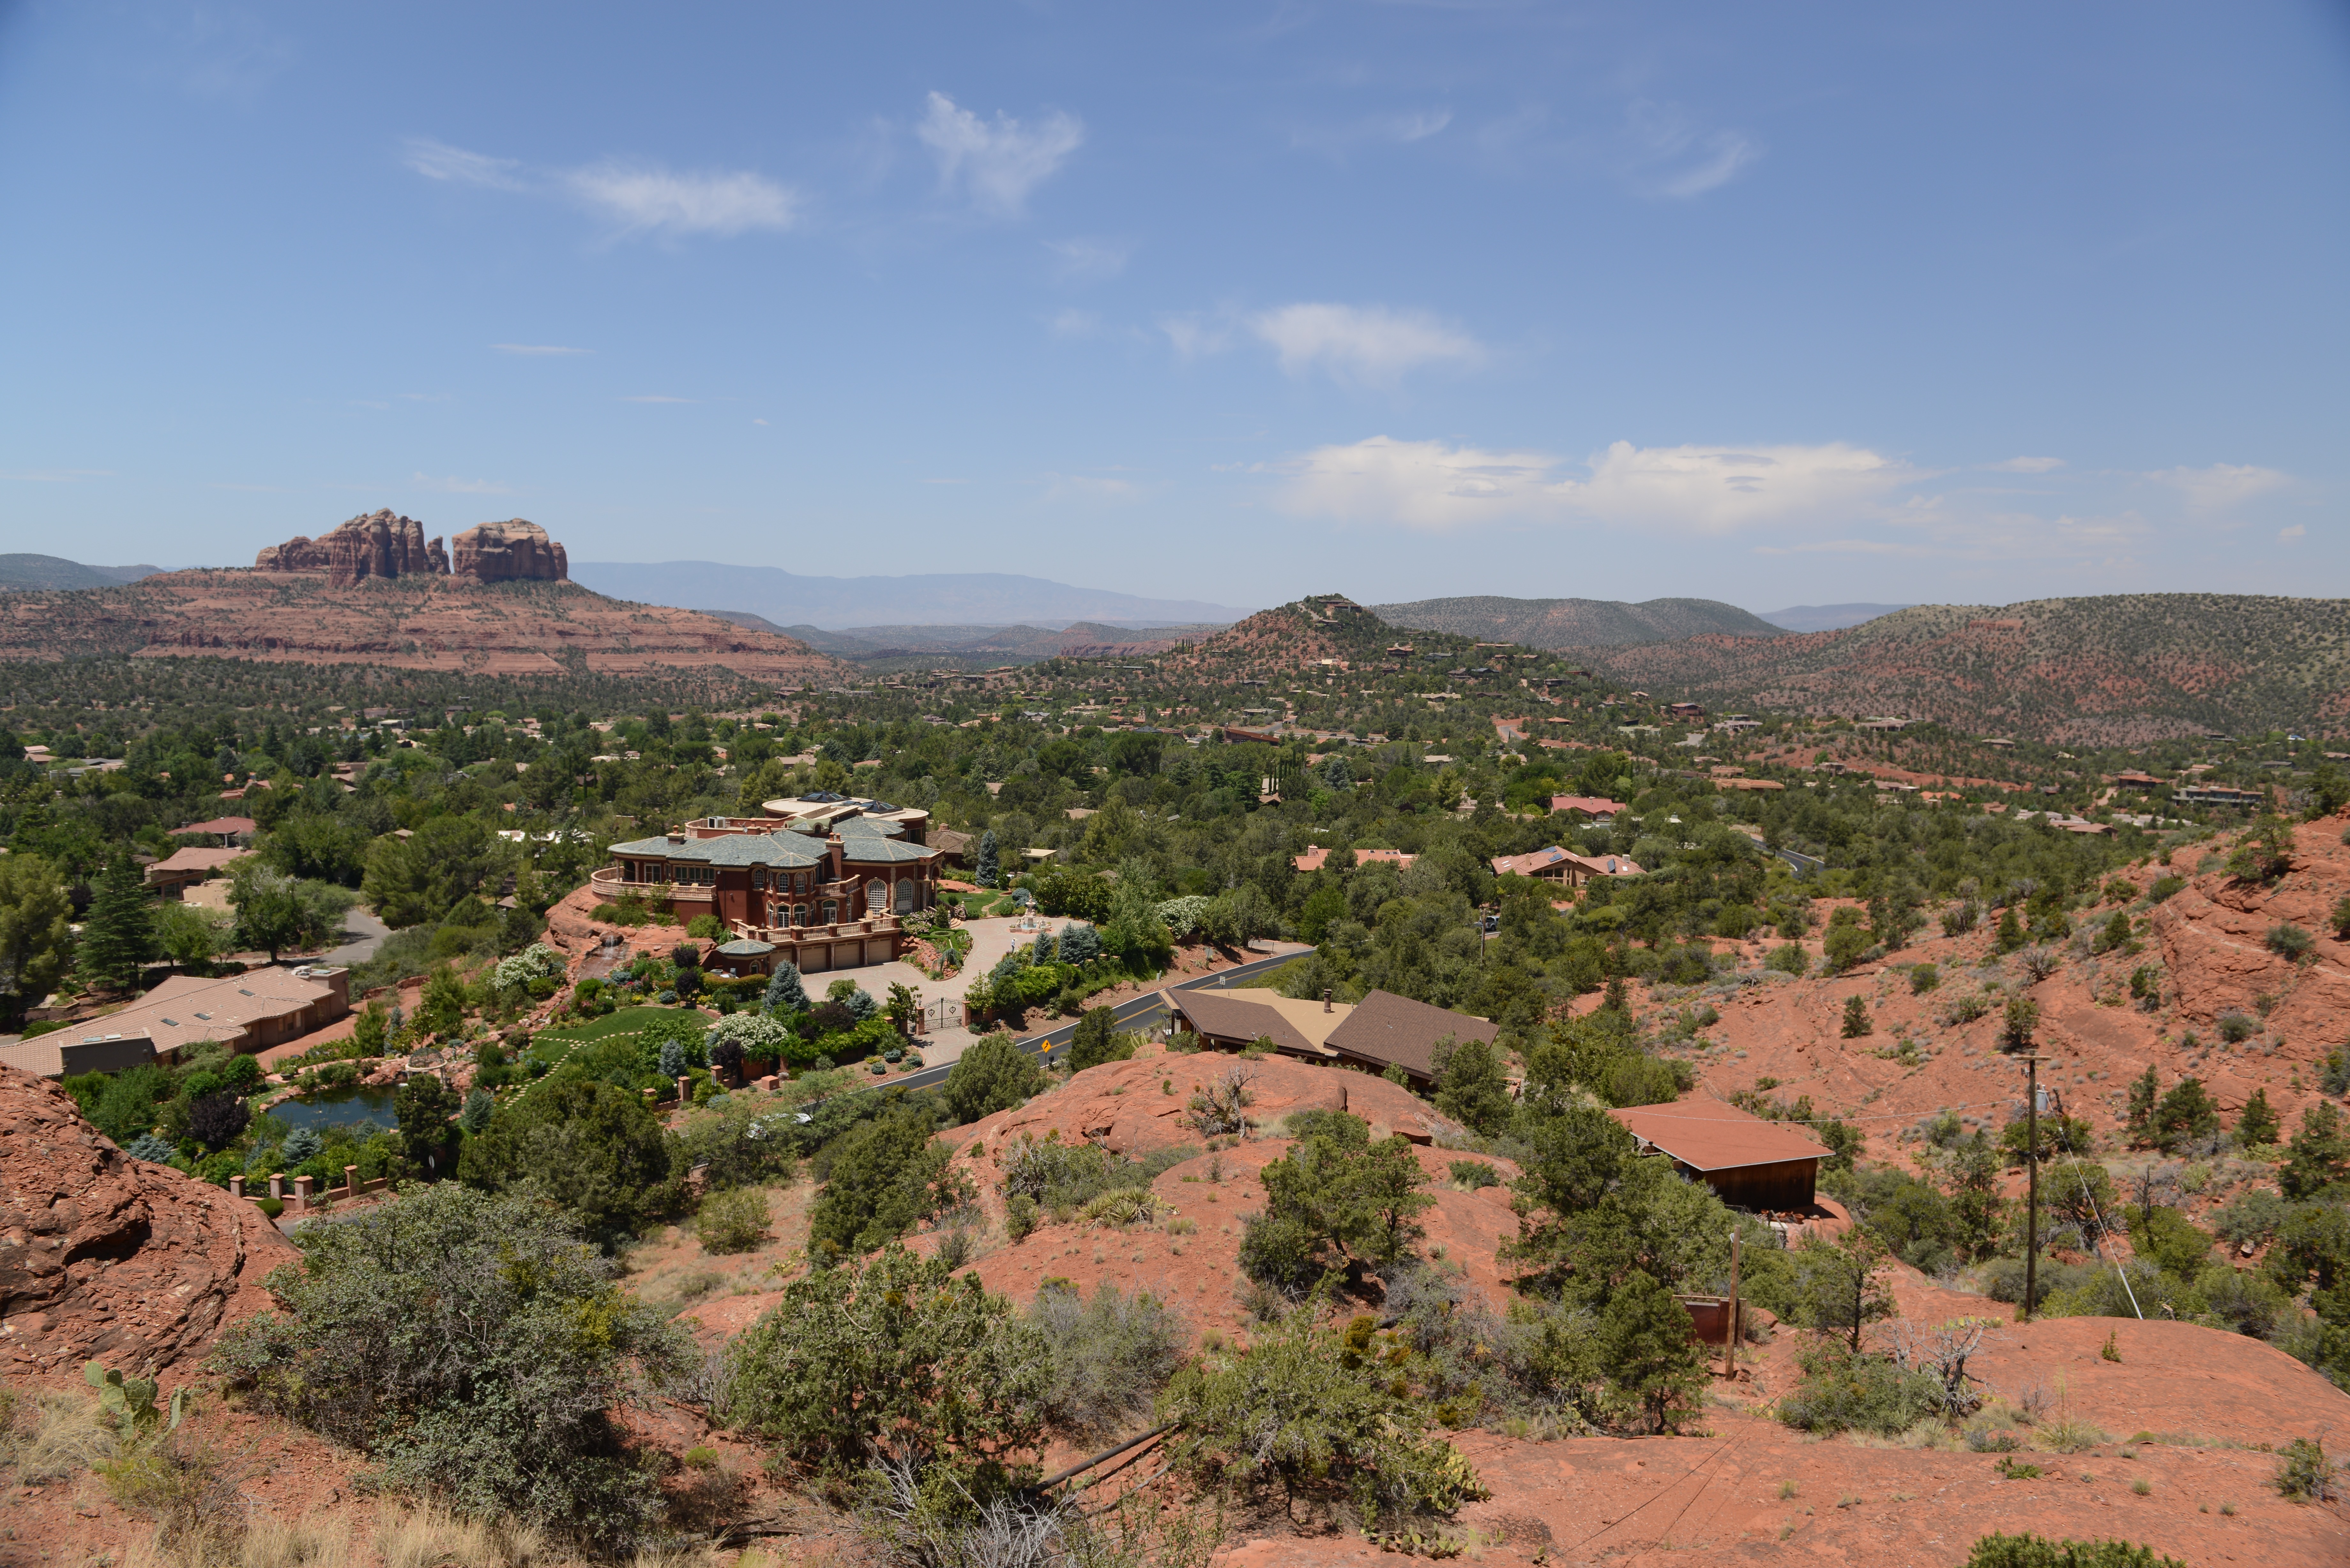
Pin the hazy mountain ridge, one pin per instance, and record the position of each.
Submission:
(1826, 617)
(1574, 623)
(2121, 668)
(32, 574)
(983, 600)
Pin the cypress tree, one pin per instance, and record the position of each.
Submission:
(987, 870)
(120, 933)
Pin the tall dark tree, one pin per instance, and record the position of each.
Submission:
(786, 994)
(987, 871)
(426, 1133)
(119, 936)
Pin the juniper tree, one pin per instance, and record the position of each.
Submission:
(118, 935)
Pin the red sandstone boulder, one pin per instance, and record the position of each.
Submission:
(513, 551)
(107, 1257)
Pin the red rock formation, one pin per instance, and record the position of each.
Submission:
(113, 1258)
(509, 552)
(381, 544)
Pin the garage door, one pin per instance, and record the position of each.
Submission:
(877, 951)
(813, 960)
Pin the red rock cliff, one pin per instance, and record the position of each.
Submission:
(381, 545)
(508, 552)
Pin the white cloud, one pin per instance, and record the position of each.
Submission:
(1694, 489)
(1195, 336)
(455, 486)
(1718, 490)
(2287, 535)
(997, 165)
(1089, 261)
(1665, 153)
(438, 161)
(2221, 486)
(645, 197)
(2026, 465)
(1365, 344)
(537, 348)
(1417, 483)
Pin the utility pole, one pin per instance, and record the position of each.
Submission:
(1734, 1302)
(2031, 1189)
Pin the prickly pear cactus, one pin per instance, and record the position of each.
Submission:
(130, 1402)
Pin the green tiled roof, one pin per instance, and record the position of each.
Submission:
(734, 849)
(747, 949)
(863, 849)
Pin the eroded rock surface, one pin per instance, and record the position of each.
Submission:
(513, 551)
(113, 1258)
(380, 544)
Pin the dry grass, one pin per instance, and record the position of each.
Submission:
(56, 1435)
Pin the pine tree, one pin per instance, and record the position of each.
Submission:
(1975, 1201)
(2259, 1123)
(119, 936)
(986, 873)
(786, 994)
(2143, 1095)
(424, 1105)
(2320, 1154)
(1474, 1088)
(1855, 1019)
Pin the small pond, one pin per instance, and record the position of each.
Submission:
(340, 1109)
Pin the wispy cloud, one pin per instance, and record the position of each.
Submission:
(996, 164)
(536, 348)
(1705, 489)
(1365, 344)
(1088, 260)
(1196, 335)
(2287, 535)
(55, 476)
(640, 197)
(1668, 154)
(1381, 129)
(645, 197)
(1077, 324)
(438, 161)
(453, 485)
(2026, 465)
(2221, 486)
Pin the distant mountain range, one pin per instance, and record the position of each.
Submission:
(31, 572)
(956, 645)
(970, 601)
(1574, 623)
(2116, 669)
(1827, 617)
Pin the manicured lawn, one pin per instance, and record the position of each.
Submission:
(554, 1043)
(978, 905)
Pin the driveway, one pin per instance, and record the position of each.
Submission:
(369, 933)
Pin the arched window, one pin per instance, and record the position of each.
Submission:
(905, 901)
(877, 896)
(831, 912)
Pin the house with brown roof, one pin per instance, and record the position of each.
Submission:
(230, 831)
(1381, 1031)
(172, 873)
(1556, 865)
(1588, 804)
(1315, 858)
(246, 1012)
(1762, 1166)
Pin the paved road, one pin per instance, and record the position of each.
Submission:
(1140, 1013)
(371, 933)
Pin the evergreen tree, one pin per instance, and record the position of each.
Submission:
(1975, 1202)
(986, 873)
(1855, 1019)
(1840, 1286)
(2011, 930)
(2258, 1123)
(118, 935)
(1045, 950)
(1473, 1088)
(2186, 1115)
(786, 994)
(2318, 1156)
(1649, 1353)
(993, 1074)
(1097, 1039)
(425, 1104)
(35, 935)
(2019, 1023)
(2144, 1092)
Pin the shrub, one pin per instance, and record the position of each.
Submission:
(1473, 1086)
(1966, 1009)
(1097, 1039)
(271, 1206)
(1789, 958)
(885, 1176)
(1474, 1173)
(993, 1074)
(2304, 1473)
(2164, 888)
(1856, 1024)
(2028, 1551)
(2290, 942)
(740, 1144)
(1312, 1411)
(898, 1357)
(216, 1120)
(1110, 1356)
(1336, 1200)
(706, 928)
(2236, 1028)
(1843, 1392)
(474, 1349)
(1926, 977)
(732, 1222)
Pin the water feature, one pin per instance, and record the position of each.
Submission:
(339, 1108)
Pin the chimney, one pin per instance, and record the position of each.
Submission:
(1325, 999)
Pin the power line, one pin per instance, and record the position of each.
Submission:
(1676, 1481)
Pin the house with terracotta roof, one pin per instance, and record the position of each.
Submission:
(1762, 1166)
(246, 1012)
(1315, 858)
(1595, 805)
(229, 831)
(1380, 1032)
(1556, 865)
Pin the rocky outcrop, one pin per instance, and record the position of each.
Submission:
(513, 551)
(107, 1257)
(381, 544)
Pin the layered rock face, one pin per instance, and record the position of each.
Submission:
(381, 544)
(513, 551)
(108, 1257)
(384, 545)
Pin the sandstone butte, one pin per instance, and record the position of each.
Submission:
(419, 622)
(382, 545)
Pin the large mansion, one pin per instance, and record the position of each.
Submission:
(820, 879)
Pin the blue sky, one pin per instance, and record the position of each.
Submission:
(1774, 304)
